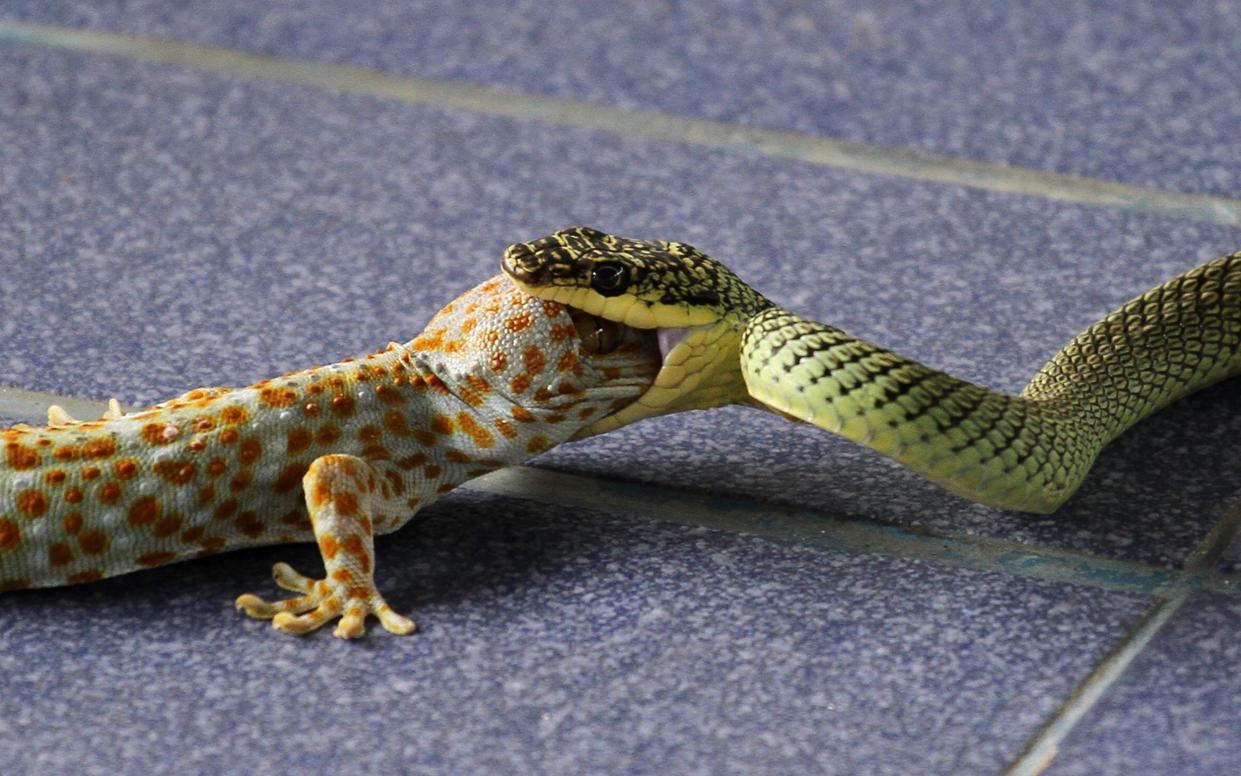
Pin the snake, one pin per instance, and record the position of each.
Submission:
(722, 342)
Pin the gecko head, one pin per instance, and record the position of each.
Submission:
(695, 307)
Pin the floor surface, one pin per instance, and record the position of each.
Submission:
(210, 193)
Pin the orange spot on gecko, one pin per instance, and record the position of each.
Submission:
(250, 525)
(343, 406)
(519, 322)
(481, 436)
(538, 444)
(175, 472)
(412, 461)
(72, 523)
(125, 469)
(228, 436)
(520, 383)
(206, 495)
(522, 414)
(167, 526)
(55, 477)
(83, 577)
(21, 457)
(289, 477)
(10, 535)
(241, 480)
(442, 424)
(144, 511)
(398, 484)
(498, 362)
(369, 434)
(155, 558)
(277, 397)
(533, 360)
(193, 534)
(328, 435)
(91, 473)
(226, 509)
(389, 395)
(346, 504)
(216, 467)
(320, 495)
(506, 429)
(299, 440)
(559, 334)
(251, 450)
(109, 493)
(204, 424)
(73, 495)
(329, 547)
(93, 542)
(31, 503)
(456, 456)
(311, 409)
(570, 363)
(396, 424)
(99, 448)
(160, 433)
(59, 554)
(234, 414)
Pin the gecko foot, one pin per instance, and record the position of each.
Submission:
(321, 601)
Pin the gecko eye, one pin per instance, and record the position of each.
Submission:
(598, 335)
(609, 278)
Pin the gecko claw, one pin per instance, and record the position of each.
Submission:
(321, 602)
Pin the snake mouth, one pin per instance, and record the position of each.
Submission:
(690, 367)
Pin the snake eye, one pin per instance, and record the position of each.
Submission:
(609, 278)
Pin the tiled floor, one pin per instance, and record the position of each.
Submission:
(718, 592)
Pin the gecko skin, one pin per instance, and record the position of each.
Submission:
(333, 454)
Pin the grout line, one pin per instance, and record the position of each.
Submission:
(1042, 749)
(848, 155)
(741, 515)
(32, 405)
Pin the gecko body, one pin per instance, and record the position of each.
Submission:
(332, 454)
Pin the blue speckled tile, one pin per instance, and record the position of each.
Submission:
(1178, 707)
(1116, 90)
(555, 643)
(171, 229)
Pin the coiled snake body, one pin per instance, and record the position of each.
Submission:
(723, 342)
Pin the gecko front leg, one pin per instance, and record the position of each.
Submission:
(346, 496)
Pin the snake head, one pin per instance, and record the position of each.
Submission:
(696, 305)
(646, 284)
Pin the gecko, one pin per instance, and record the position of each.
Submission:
(333, 454)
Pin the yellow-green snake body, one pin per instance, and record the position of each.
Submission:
(725, 343)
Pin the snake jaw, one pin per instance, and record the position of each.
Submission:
(669, 339)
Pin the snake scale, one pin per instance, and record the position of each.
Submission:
(724, 343)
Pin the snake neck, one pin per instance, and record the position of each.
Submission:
(1028, 452)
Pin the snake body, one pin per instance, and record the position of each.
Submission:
(724, 343)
